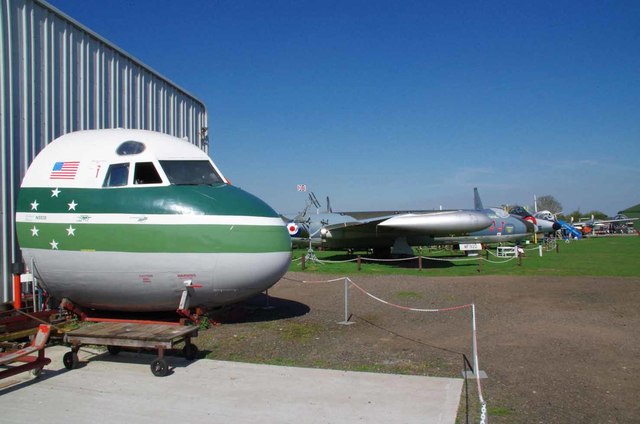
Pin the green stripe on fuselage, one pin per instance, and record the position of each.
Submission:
(221, 199)
(154, 238)
(178, 201)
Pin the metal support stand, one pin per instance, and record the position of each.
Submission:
(475, 373)
(267, 307)
(346, 304)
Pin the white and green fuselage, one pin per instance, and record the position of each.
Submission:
(135, 247)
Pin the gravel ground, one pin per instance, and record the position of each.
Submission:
(556, 350)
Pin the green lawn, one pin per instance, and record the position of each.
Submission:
(603, 256)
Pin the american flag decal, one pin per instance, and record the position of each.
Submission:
(64, 171)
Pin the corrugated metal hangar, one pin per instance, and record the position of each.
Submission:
(57, 76)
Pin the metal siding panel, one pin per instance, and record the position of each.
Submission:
(57, 76)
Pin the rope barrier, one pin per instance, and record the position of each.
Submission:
(476, 367)
(322, 261)
(405, 308)
(389, 260)
(500, 262)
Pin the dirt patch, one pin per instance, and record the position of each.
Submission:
(555, 349)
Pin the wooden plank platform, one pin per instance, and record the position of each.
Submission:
(131, 334)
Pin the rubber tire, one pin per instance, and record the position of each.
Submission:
(35, 373)
(190, 352)
(159, 367)
(113, 350)
(70, 360)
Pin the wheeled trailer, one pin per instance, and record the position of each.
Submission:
(32, 363)
(116, 335)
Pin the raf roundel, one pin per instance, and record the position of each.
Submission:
(292, 227)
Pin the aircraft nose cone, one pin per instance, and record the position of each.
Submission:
(556, 226)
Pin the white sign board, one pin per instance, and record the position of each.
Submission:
(470, 246)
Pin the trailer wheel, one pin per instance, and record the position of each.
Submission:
(114, 350)
(35, 373)
(190, 351)
(70, 360)
(159, 367)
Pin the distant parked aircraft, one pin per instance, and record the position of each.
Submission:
(589, 225)
(396, 231)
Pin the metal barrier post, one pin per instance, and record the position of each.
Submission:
(346, 304)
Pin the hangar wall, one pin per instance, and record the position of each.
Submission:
(57, 76)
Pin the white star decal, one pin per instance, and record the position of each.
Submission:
(54, 245)
(72, 205)
(34, 205)
(34, 231)
(71, 231)
(55, 192)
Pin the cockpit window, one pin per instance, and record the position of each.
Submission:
(130, 148)
(117, 175)
(146, 173)
(190, 172)
(519, 210)
(500, 213)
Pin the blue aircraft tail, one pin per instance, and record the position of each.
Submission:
(570, 229)
(477, 203)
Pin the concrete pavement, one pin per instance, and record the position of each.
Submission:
(109, 389)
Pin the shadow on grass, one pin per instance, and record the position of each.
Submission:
(259, 309)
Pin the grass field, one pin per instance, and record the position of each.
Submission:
(601, 256)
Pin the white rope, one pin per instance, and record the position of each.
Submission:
(388, 260)
(323, 261)
(405, 308)
(483, 410)
(500, 262)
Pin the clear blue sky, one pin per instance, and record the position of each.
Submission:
(403, 104)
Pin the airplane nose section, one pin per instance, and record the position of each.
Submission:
(556, 226)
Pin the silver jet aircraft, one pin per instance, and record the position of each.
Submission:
(396, 231)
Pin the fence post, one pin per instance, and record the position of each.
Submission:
(358, 262)
(557, 247)
(419, 263)
(302, 259)
(346, 304)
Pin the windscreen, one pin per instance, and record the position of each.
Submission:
(190, 172)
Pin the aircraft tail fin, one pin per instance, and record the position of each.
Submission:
(477, 203)
(329, 210)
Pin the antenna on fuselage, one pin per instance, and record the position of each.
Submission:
(314, 201)
(329, 210)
